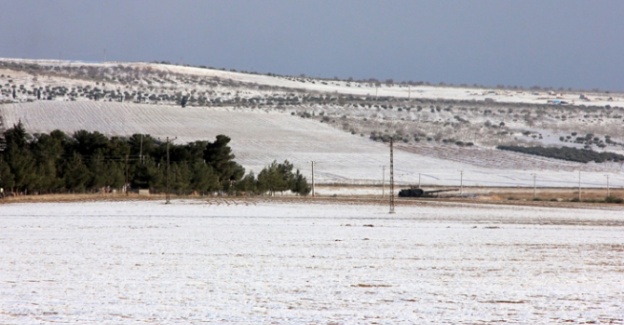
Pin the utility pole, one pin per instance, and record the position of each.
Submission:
(383, 181)
(126, 176)
(418, 180)
(534, 175)
(167, 198)
(608, 192)
(313, 194)
(167, 195)
(461, 182)
(141, 150)
(579, 187)
(391, 177)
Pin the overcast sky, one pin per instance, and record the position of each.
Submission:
(555, 43)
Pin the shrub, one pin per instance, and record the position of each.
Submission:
(567, 153)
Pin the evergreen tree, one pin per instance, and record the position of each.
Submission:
(18, 156)
(117, 151)
(149, 175)
(89, 143)
(275, 177)
(141, 146)
(203, 179)
(89, 161)
(17, 136)
(180, 178)
(300, 184)
(98, 169)
(76, 174)
(48, 154)
(219, 156)
(247, 185)
(6, 177)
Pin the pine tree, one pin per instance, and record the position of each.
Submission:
(6, 177)
(300, 184)
(76, 174)
(18, 156)
(219, 156)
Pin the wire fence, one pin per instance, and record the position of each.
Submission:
(479, 179)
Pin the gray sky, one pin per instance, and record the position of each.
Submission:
(555, 43)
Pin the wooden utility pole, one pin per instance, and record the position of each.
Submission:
(383, 181)
(167, 198)
(141, 150)
(534, 194)
(461, 182)
(579, 189)
(167, 195)
(391, 177)
(313, 194)
(608, 190)
(126, 175)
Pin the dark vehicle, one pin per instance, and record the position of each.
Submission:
(419, 192)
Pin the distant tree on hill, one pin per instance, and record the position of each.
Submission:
(567, 153)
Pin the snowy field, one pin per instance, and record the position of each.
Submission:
(320, 262)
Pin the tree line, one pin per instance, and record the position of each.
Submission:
(88, 162)
(567, 153)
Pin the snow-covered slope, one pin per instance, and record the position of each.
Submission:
(359, 88)
(261, 136)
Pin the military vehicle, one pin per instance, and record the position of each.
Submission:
(419, 192)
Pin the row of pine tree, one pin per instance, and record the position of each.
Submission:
(88, 162)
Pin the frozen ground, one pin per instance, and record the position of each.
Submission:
(259, 262)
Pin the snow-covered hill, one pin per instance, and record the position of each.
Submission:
(261, 136)
(191, 80)
(446, 135)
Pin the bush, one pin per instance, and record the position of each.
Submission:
(613, 199)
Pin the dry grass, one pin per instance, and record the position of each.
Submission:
(78, 197)
(559, 197)
(558, 194)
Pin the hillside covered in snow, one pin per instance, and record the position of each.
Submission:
(444, 135)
